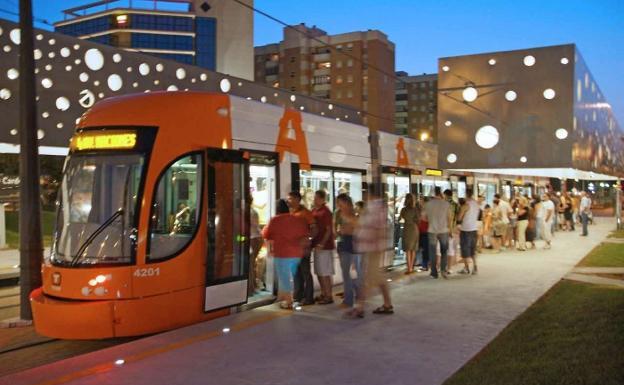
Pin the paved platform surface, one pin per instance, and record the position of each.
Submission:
(438, 326)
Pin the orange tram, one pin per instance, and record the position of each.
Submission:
(153, 210)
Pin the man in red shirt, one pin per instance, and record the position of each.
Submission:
(304, 283)
(323, 244)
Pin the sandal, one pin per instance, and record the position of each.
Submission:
(354, 313)
(325, 301)
(285, 306)
(384, 310)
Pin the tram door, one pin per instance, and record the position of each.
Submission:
(227, 258)
(263, 188)
(396, 187)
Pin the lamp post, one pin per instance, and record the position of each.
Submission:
(31, 247)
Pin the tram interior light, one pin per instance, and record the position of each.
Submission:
(226, 330)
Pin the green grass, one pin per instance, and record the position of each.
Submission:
(12, 228)
(573, 335)
(605, 255)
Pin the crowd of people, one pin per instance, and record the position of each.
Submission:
(437, 233)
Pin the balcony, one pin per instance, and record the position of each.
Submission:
(322, 71)
(321, 57)
(321, 87)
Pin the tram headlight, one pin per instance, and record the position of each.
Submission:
(56, 279)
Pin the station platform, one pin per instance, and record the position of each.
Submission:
(437, 327)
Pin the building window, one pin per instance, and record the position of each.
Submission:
(338, 79)
(423, 108)
(423, 96)
(292, 59)
(423, 85)
(339, 64)
(349, 78)
(350, 63)
(324, 65)
(338, 94)
(292, 74)
(322, 79)
(339, 47)
(350, 47)
(349, 94)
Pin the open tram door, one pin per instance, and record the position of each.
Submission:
(227, 258)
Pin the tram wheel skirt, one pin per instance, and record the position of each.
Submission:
(69, 319)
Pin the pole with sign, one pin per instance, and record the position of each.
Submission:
(31, 246)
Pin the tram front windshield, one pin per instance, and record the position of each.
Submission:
(96, 221)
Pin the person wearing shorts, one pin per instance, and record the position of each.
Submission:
(285, 235)
(468, 216)
(323, 244)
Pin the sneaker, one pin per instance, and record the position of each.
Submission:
(464, 271)
(475, 271)
(434, 276)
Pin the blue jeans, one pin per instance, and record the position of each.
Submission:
(444, 245)
(286, 269)
(352, 287)
(584, 221)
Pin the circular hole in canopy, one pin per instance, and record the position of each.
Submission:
(46, 82)
(94, 59)
(487, 137)
(529, 60)
(180, 73)
(561, 133)
(564, 60)
(114, 82)
(511, 95)
(448, 123)
(62, 103)
(470, 94)
(549, 93)
(225, 85)
(144, 69)
(5, 94)
(451, 158)
(523, 159)
(12, 74)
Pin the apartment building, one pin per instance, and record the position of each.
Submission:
(354, 69)
(416, 106)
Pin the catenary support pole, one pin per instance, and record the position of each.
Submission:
(31, 247)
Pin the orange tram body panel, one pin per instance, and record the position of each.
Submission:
(129, 256)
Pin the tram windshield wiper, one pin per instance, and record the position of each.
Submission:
(91, 237)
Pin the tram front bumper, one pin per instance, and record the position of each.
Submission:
(71, 319)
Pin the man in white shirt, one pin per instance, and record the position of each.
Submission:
(547, 216)
(505, 211)
(584, 210)
(468, 216)
(438, 213)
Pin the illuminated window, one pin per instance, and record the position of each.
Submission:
(176, 207)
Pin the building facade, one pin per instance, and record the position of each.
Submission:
(354, 69)
(416, 100)
(216, 35)
(531, 109)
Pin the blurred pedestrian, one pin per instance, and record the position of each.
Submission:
(410, 216)
(370, 241)
(523, 223)
(585, 211)
(438, 216)
(287, 236)
(255, 243)
(323, 244)
(547, 216)
(468, 216)
(350, 261)
(304, 283)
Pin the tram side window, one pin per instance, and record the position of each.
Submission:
(175, 209)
